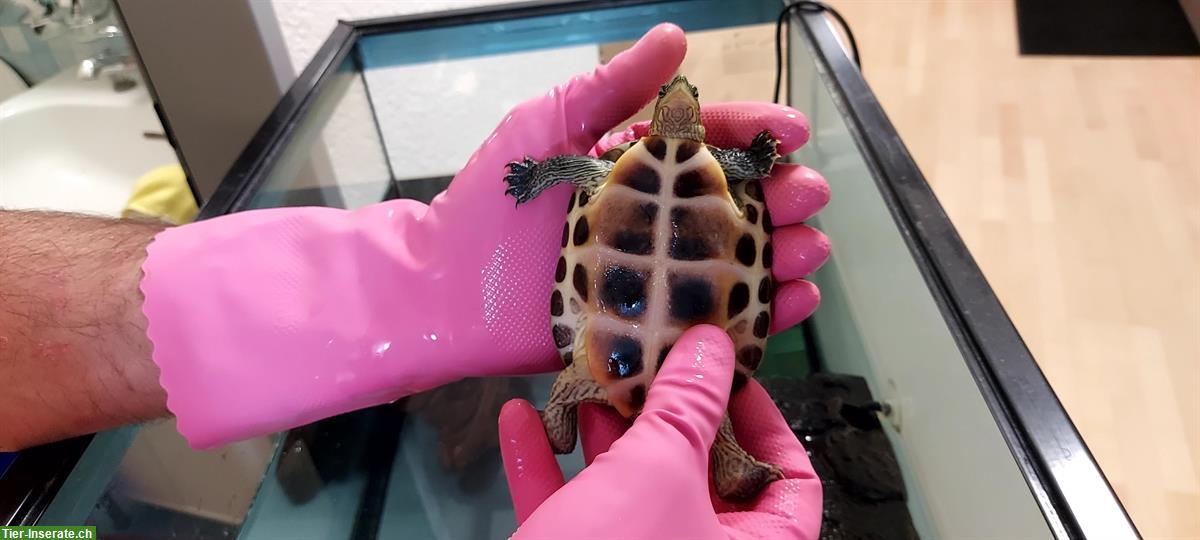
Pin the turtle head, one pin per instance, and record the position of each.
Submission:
(677, 111)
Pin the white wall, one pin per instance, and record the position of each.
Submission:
(434, 115)
(304, 24)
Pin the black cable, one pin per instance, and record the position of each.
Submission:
(812, 7)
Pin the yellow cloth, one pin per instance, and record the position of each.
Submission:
(162, 193)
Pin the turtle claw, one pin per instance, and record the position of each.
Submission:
(764, 150)
(527, 178)
(519, 167)
(752, 163)
(520, 180)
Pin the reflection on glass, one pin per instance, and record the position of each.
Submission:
(78, 128)
(334, 157)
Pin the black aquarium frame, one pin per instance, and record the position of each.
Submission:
(1074, 496)
(1071, 490)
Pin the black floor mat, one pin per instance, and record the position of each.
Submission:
(1105, 27)
(864, 496)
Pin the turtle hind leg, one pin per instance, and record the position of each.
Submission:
(736, 474)
(527, 179)
(560, 414)
(754, 163)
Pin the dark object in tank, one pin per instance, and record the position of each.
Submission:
(332, 450)
(465, 414)
(834, 416)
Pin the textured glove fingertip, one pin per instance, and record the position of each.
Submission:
(529, 463)
(794, 302)
(691, 391)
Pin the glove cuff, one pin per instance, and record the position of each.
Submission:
(271, 319)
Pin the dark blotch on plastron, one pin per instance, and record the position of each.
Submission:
(752, 214)
(637, 396)
(686, 150)
(762, 325)
(581, 231)
(560, 271)
(691, 299)
(563, 335)
(750, 356)
(739, 298)
(690, 248)
(556, 303)
(574, 304)
(745, 252)
(657, 148)
(648, 212)
(566, 233)
(642, 178)
(568, 358)
(688, 241)
(633, 230)
(694, 184)
(634, 243)
(624, 358)
(764, 290)
(767, 225)
(623, 290)
(768, 257)
(579, 279)
(662, 356)
(571, 204)
(754, 190)
(583, 198)
(635, 217)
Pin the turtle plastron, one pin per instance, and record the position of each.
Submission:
(672, 234)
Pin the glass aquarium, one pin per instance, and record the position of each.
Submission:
(920, 407)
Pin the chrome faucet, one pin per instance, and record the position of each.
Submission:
(119, 65)
(83, 21)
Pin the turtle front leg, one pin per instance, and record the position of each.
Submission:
(528, 179)
(736, 474)
(753, 163)
(571, 388)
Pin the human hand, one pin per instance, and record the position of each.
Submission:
(651, 479)
(293, 315)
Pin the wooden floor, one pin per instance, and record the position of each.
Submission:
(1075, 182)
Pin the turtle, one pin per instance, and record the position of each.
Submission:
(663, 233)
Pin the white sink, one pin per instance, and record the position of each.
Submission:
(77, 145)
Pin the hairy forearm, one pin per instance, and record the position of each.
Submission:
(74, 357)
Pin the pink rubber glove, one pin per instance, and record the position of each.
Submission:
(269, 319)
(652, 482)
